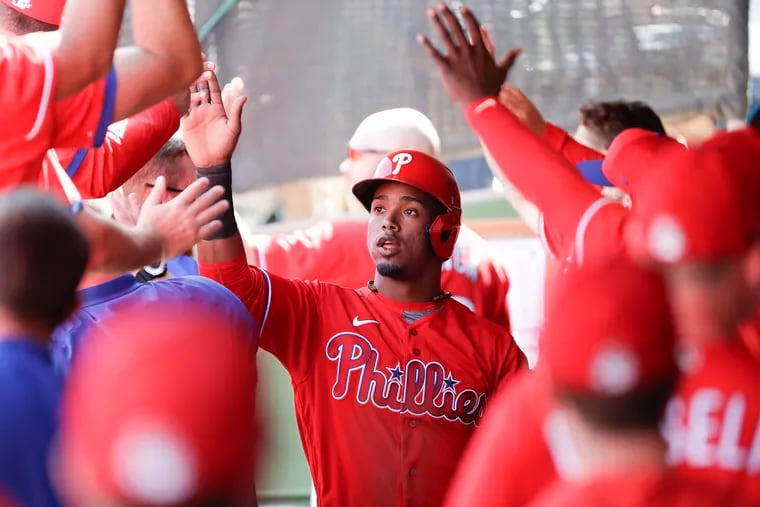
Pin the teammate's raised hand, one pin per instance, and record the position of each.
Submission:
(211, 133)
(467, 67)
(522, 107)
(186, 219)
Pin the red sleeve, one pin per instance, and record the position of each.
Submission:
(128, 146)
(572, 150)
(288, 310)
(28, 84)
(541, 174)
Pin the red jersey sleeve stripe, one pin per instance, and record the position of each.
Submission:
(47, 90)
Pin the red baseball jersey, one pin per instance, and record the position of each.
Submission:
(472, 275)
(387, 394)
(507, 463)
(655, 488)
(713, 424)
(584, 225)
(39, 123)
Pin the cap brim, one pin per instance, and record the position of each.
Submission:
(591, 170)
(364, 190)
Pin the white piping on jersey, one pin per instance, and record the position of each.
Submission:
(261, 254)
(47, 90)
(69, 189)
(559, 440)
(580, 232)
(269, 300)
(484, 105)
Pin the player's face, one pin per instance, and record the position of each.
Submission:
(717, 293)
(360, 165)
(397, 233)
(181, 175)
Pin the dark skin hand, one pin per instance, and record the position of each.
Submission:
(467, 67)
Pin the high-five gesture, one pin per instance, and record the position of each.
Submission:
(211, 133)
(467, 66)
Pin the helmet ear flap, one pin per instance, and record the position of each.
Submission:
(442, 234)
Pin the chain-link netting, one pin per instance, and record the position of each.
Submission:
(314, 69)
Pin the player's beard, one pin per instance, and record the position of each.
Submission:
(389, 270)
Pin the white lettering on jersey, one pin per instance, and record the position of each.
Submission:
(415, 388)
(707, 433)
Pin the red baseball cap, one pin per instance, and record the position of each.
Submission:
(160, 410)
(47, 11)
(608, 331)
(633, 155)
(706, 206)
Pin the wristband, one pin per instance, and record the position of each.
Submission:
(221, 175)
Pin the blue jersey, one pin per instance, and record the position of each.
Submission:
(29, 399)
(100, 301)
(182, 265)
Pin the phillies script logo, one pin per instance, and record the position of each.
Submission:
(416, 388)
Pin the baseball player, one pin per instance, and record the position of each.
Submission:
(389, 379)
(160, 412)
(173, 163)
(700, 221)
(42, 257)
(612, 377)
(588, 226)
(472, 275)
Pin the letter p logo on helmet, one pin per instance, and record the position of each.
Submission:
(400, 160)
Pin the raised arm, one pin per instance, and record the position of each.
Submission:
(165, 59)
(86, 42)
(472, 79)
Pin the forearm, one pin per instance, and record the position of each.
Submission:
(116, 249)
(88, 36)
(572, 150)
(166, 48)
(541, 174)
(129, 145)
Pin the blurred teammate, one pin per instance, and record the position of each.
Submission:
(398, 365)
(700, 221)
(173, 164)
(42, 257)
(612, 377)
(160, 412)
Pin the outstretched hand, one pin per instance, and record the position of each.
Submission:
(210, 132)
(467, 67)
(183, 221)
(522, 107)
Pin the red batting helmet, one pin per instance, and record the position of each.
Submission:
(428, 174)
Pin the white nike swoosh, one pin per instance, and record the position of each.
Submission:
(358, 322)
